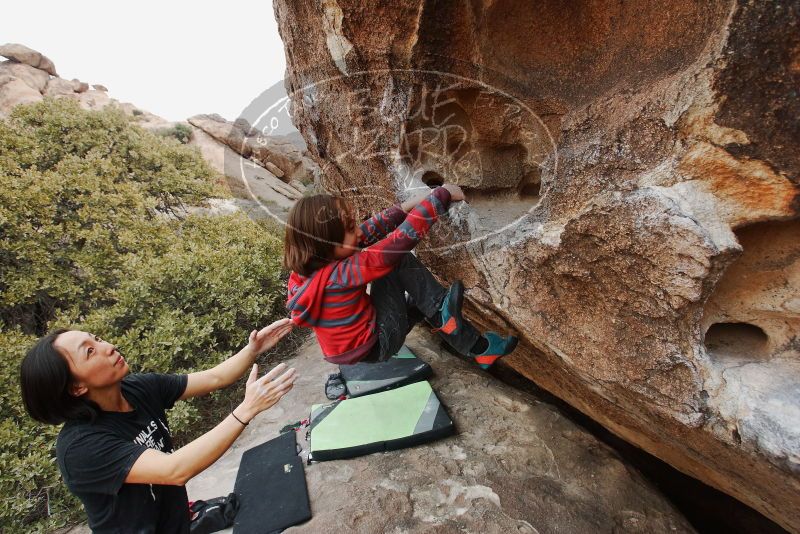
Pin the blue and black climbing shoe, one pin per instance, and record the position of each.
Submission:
(450, 310)
(499, 346)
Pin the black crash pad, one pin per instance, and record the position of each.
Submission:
(271, 487)
(400, 370)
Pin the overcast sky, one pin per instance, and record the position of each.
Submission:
(174, 58)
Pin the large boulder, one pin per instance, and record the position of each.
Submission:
(59, 87)
(35, 78)
(271, 173)
(632, 174)
(28, 56)
(13, 92)
(94, 99)
(31, 68)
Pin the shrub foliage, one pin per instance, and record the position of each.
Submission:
(91, 238)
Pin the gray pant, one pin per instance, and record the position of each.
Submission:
(397, 314)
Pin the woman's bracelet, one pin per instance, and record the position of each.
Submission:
(234, 416)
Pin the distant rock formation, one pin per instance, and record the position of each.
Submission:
(23, 54)
(28, 77)
(259, 168)
(277, 154)
(632, 173)
(246, 178)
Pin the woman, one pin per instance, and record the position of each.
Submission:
(115, 450)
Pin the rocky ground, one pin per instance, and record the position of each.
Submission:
(516, 465)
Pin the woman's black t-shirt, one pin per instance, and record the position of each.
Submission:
(95, 458)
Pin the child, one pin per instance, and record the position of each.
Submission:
(324, 249)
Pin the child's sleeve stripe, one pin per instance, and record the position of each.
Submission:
(344, 275)
(394, 215)
(352, 276)
(370, 228)
(344, 321)
(423, 210)
(359, 277)
(347, 273)
(304, 316)
(407, 228)
(293, 301)
(379, 225)
(437, 205)
(336, 276)
(342, 303)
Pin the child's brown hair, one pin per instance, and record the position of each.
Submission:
(315, 226)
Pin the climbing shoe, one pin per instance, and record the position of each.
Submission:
(334, 386)
(499, 346)
(450, 310)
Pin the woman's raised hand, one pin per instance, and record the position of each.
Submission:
(266, 338)
(456, 193)
(263, 393)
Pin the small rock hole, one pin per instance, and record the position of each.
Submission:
(432, 179)
(530, 190)
(736, 340)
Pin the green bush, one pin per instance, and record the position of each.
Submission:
(181, 132)
(91, 237)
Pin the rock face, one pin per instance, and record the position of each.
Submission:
(516, 465)
(632, 173)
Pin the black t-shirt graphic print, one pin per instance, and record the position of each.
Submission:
(94, 459)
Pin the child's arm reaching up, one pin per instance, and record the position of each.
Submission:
(456, 194)
(379, 225)
(379, 259)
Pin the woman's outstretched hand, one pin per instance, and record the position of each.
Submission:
(263, 393)
(266, 338)
(456, 194)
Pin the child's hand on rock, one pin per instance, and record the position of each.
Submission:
(456, 194)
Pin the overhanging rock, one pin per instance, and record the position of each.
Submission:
(632, 171)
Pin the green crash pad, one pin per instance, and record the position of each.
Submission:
(390, 420)
(401, 369)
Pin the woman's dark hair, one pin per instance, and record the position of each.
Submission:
(315, 226)
(45, 381)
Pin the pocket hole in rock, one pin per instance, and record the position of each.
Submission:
(736, 340)
(432, 179)
(530, 190)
